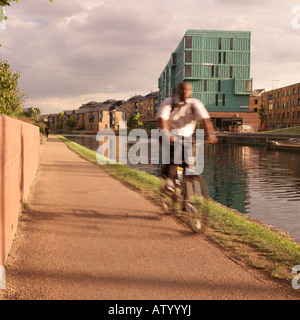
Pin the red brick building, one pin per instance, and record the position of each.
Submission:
(282, 107)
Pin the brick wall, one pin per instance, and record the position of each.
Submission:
(248, 118)
(19, 159)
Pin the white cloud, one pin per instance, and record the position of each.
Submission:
(71, 51)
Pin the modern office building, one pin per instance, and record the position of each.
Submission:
(282, 107)
(217, 63)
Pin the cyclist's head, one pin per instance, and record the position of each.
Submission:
(184, 91)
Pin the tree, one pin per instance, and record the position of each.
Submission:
(133, 121)
(33, 113)
(11, 97)
(72, 122)
(262, 115)
(60, 124)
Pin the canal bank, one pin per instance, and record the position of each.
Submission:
(254, 180)
(269, 141)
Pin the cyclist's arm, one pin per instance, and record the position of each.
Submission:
(201, 114)
(209, 129)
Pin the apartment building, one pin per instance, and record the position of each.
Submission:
(146, 106)
(282, 107)
(53, 121)
(93, 116)
(217, 64)
(255, 100)
(255, 106)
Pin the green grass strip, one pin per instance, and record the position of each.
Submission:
(289, 130)
(277, 252)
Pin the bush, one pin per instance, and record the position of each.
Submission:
(42, 128)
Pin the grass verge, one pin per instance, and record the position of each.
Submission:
(247, 239)
(290, 130)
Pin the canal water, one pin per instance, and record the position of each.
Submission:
(264, 184)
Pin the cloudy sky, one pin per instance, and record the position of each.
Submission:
(74, 51)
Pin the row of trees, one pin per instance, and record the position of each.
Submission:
(71, 122)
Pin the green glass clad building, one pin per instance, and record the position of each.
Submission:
(217, 63)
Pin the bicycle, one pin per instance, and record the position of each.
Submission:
(195, 214)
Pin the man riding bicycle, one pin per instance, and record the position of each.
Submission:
(180, 114)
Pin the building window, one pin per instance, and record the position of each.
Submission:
(188, 42)
(298, 102)
(230, 72)
(289, 92)
(205, 85)
(283, 104)
(174, 58)
(248, 85)
(224, 57)
(220, 57)
(217, 100)
(294, 90)
(299, 90)
(223, 99)
(287, 115)
(188, 70)
(231, 43)
(220, 43)
(188, 56)
(212, 71)
(217, 71)
(284, 93)
(219, 85)
(255, 101)
(279, 94)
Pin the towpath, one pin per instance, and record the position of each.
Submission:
(88, 236)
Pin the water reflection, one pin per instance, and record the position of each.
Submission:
(261, 183)
(264, 184)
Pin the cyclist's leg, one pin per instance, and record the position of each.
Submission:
(190, 174)
(187, 181)
(168, 190)
(168, 171)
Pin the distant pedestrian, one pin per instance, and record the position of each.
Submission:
(47, 130)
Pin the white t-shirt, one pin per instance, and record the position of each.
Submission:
(184, 116)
